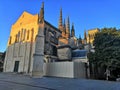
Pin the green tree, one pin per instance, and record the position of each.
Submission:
(107, 49)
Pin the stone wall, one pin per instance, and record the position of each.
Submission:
(64, 53)
(19, 52)
(22, 28)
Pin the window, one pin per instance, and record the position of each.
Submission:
(24, 34)
(54, 49)
(21, 35)
(32, 34)
(10, 40)
(28, 35)
(54, 34)
(45, 31)
(18, 36)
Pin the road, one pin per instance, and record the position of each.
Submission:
(11, 81)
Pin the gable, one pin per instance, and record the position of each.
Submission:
(25, 18)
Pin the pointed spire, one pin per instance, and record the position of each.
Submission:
(80, 36)
(72, 30)
(64, 26)
(68, 27)
(85, 35)
(80, 40)
(60, 19)
(42, 5)
(41, 16)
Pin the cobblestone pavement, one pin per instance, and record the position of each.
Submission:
(10, 81)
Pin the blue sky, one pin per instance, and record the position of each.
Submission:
(85, 14)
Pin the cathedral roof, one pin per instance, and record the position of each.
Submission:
(52, 26)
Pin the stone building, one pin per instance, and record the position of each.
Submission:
(32, 39)
(89, 36)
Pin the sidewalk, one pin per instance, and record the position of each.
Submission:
(10, 81)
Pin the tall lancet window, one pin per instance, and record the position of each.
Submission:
(24, 34)
(28, 35)
(32, 34)
(18, 38)
(10, 40)
(21, 38)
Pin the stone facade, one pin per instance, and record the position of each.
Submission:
(64, 53)
(31, 38)
(34, 41)
(91, 34)
(18, 52)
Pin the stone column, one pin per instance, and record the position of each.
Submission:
(39, 54)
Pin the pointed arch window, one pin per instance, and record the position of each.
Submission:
(32, 34)
(24, 34)
(45, 30)
(21, 35)
(10, 40)
(28, 35)
(16, 36)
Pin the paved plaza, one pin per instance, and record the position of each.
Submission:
(11, 81)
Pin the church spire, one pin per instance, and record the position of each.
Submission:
(68, 28)
(41, 15)
(60, 19)
(64, 25)
(80, 39)
(72, 30)
(85, 35)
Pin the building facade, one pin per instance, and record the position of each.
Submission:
(31, 38)
(90, 35)
(34, 41)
